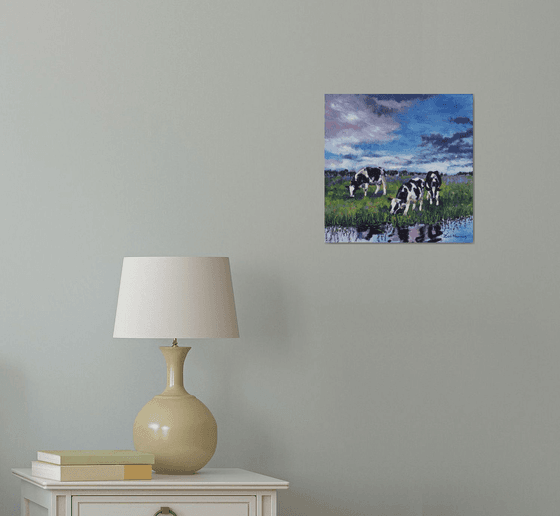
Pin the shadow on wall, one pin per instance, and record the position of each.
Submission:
(14, 415)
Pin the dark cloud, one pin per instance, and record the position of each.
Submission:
(390, 104)
(439, 148)
(402, 98)
(462, 120)
(379, 109)
(447, 144)
(431, 158)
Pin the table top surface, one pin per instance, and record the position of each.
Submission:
(204, 479)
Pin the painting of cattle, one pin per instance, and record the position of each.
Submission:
(433, 186)
(412, 148)
(368, 176)
(411, 191)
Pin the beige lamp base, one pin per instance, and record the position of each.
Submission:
(175, 426)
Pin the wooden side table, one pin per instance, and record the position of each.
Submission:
(209, 492)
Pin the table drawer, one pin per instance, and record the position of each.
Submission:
(149, 505)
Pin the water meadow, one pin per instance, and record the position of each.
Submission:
(367, 219)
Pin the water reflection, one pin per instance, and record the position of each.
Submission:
(367, 232)
(453, 231)
(419, 233)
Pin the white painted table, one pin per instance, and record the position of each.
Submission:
(209, 492)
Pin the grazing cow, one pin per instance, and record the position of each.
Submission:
(433, 186)
(368, 176)
(411, 191)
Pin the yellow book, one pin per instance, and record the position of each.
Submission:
(67, 457)
(81, 472)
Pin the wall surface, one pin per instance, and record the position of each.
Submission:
(379, 380)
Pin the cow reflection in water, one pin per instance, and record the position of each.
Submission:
(368, 232)
(418, 233)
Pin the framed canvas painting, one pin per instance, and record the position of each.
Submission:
(399, 168)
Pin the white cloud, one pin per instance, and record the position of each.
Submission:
(393, 104)
(342, 146)
(388, 162)
(349, 121)
(446, 166)
(340, 164)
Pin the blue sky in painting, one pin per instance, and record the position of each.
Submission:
(417, 133)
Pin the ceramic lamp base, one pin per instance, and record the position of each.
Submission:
(175, 426)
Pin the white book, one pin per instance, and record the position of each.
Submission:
(63, 457)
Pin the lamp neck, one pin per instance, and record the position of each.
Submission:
(175, 359)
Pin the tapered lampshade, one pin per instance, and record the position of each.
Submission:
(176, 298)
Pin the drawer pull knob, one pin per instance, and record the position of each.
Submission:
(165, 510)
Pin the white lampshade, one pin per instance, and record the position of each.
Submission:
(176, 297)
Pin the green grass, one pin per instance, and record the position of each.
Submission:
(455, 202)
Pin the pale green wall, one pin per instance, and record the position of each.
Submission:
(379, 380)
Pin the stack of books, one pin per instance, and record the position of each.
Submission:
(81, 465)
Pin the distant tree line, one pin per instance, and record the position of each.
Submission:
(395, 173)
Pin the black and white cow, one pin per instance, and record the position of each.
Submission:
(433, 186)
(368, 176)
(411, 191)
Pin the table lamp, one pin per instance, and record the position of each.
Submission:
(174, 298)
